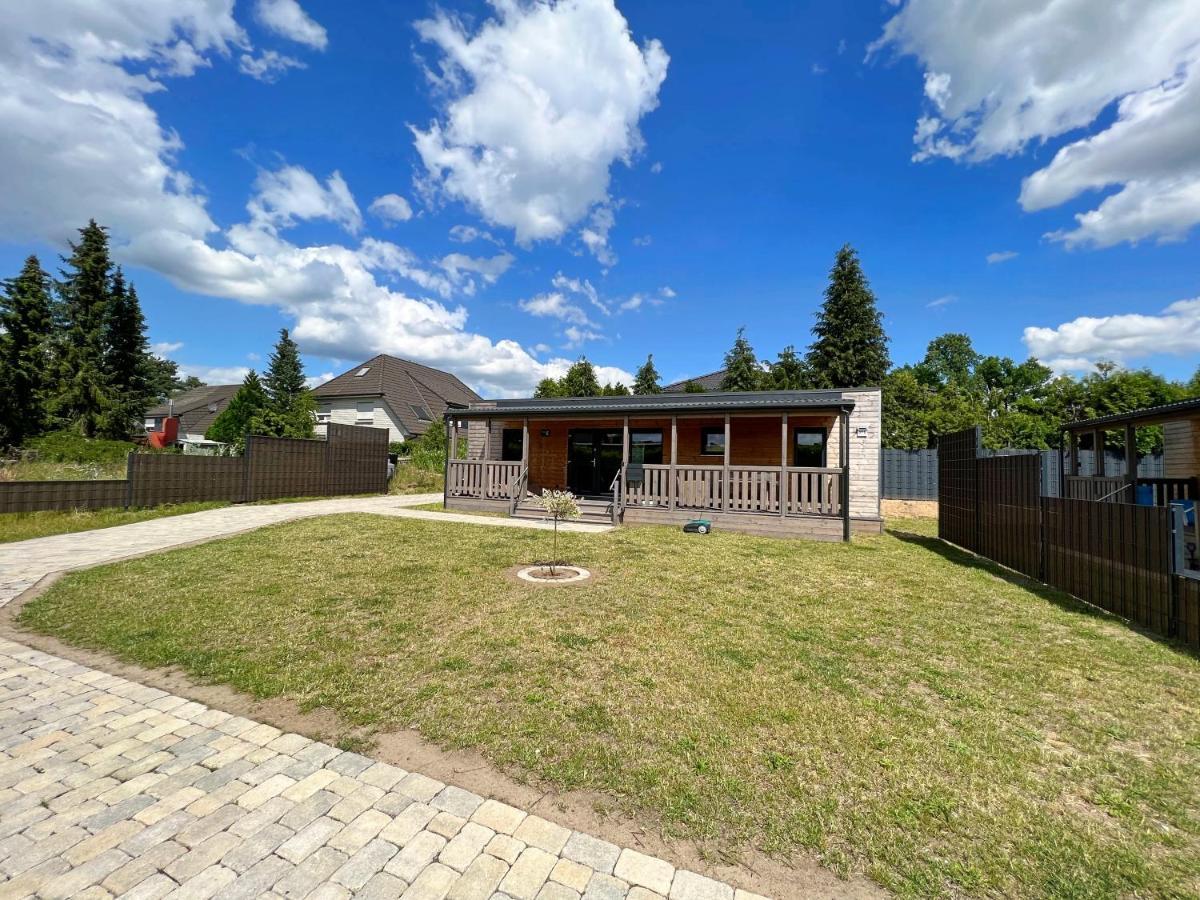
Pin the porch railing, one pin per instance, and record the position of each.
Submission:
(802, 491)
(1116, 489)
(481, 479)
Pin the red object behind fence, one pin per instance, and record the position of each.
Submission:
(169, 434)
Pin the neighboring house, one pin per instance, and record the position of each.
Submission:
(787, 463)
(196, 409)
(386, 392)
(710, 382)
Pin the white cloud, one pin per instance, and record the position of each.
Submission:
(1001, 256)
(576, 336)
(81, 140)
(595, 235)
(287, 18)
(390, 209)
(941, 302)
(644, 241)
(317, 380)
(541, 348)
(818, 69)
(656, 168)
(634, 302)
(583, 288)
(667, 292)
(1001, 75)
(540, 102)
(215, 374)
(1080, 343)
(268, 66)
(465, 234)
(489, 269)
(164, 348)
(289, 194)
(554, 306)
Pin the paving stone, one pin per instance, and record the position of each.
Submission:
(257, 846)
(306, 787)
(143, 867)
(207, 884)
(457, 801)
(205, 854)
(354, 805)
(255, 881)
(393, 803)
(350, 763)
(505, 847)
(606, 887)
(382, 776)
(212, 823)
(499, 817)
(589, 851)
(641, 893)
(647, 871)
(538, 832)
(362, 866)
(465, 846)
(690, 886)
(308, 810)
(272, 787)
(95, 870)
(267, 814)
(419, 787)
(306, 841)
(446, 824)
(416, 855)
(359, 831)
(411, 822)
(432, 884)
(311, 874)
(528, 873)
(382, 886)
(480, 879)
(553, 890)
(151, 888)
(103, 840)
(571, 874)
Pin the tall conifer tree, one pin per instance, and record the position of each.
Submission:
(127, 360)
(850, 349)
(742, 371)
(25, 317)
(647, 379)
(83, 398)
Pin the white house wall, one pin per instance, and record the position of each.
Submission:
(344, 411)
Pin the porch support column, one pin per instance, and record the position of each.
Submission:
(844, 460)
(625, 460)
(725, 485)
(487, 438)
(671, 499)
(1098, 453)
(1073, 456)
(783, 476)
(446, 467)
(1131, 461)
(524, 443)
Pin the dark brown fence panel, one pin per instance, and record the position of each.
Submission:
(32, 496)
(1007, 494)
(284, 467)
(356, 460)
(1187, 604)
(1113, 555)
(167, 478)
(958, 520)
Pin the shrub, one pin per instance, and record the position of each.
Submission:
(71, 447)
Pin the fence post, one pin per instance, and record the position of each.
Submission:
(129, 470)
(246, 481)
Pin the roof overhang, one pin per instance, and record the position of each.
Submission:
(661, 404)
(1150, 415)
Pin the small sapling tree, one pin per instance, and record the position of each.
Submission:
(558, 505)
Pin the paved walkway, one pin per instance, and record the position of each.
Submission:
(110, 788)
(24, 563)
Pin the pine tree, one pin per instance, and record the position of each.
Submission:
(233, 423)
(127, 360)
(547, 388)
(291, 411)
(284, 380)
(693, 387)
(25, 318)
(83, 396)
(580, 380)
(647, 379)
(614, 390)
(789, 372)
(742, 372)
(850, 349)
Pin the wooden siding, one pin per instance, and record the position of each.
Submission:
(1181, 449)
(344, 411)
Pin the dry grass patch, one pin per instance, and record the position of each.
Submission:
(893, 705)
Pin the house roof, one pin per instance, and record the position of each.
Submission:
(416, 394)
(196, 408)
(710, 382)
(1150, 415)
(663, 403)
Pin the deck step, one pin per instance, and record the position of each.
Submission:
(597, 512)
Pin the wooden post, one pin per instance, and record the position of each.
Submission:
(1131, 461)
(1073, 467)
(487, 439)
(725, 486)
(446, 472)
(1098, 453)
(524, 443)
(844, 455)
(783, 461)
(671, 497)
(625, 461)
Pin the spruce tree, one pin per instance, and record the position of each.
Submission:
(25, 320)
(647, 379)
(83, 397)
(233, 423)
(614, 390)
(292, 408)
(127, 360)
(742, 372)
(580, 380)
(850, 349)
(789, 372)
(693, 387)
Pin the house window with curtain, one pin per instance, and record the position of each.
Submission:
(366, 413)
(808, 447)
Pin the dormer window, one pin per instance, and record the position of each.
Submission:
(363, 371)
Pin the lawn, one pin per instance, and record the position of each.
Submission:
(24, 525)
(893, 705)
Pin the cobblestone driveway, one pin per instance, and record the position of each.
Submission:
(110, 788)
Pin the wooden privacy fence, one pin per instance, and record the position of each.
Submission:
(351, 460)
(1116, 556)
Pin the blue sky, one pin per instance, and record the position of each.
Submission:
(647, 177)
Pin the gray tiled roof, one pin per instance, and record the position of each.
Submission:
(710, 382)
(664, 403)
(416, 394)
(198, 407)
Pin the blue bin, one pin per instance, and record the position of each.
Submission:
(1189, 511)
(1145, 495)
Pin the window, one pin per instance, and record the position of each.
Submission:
(808, 447)
(646, 446)
(363, 371)
(510, 445)
(366, 412)
(712, 441)
(152, 424)
(323, 415)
